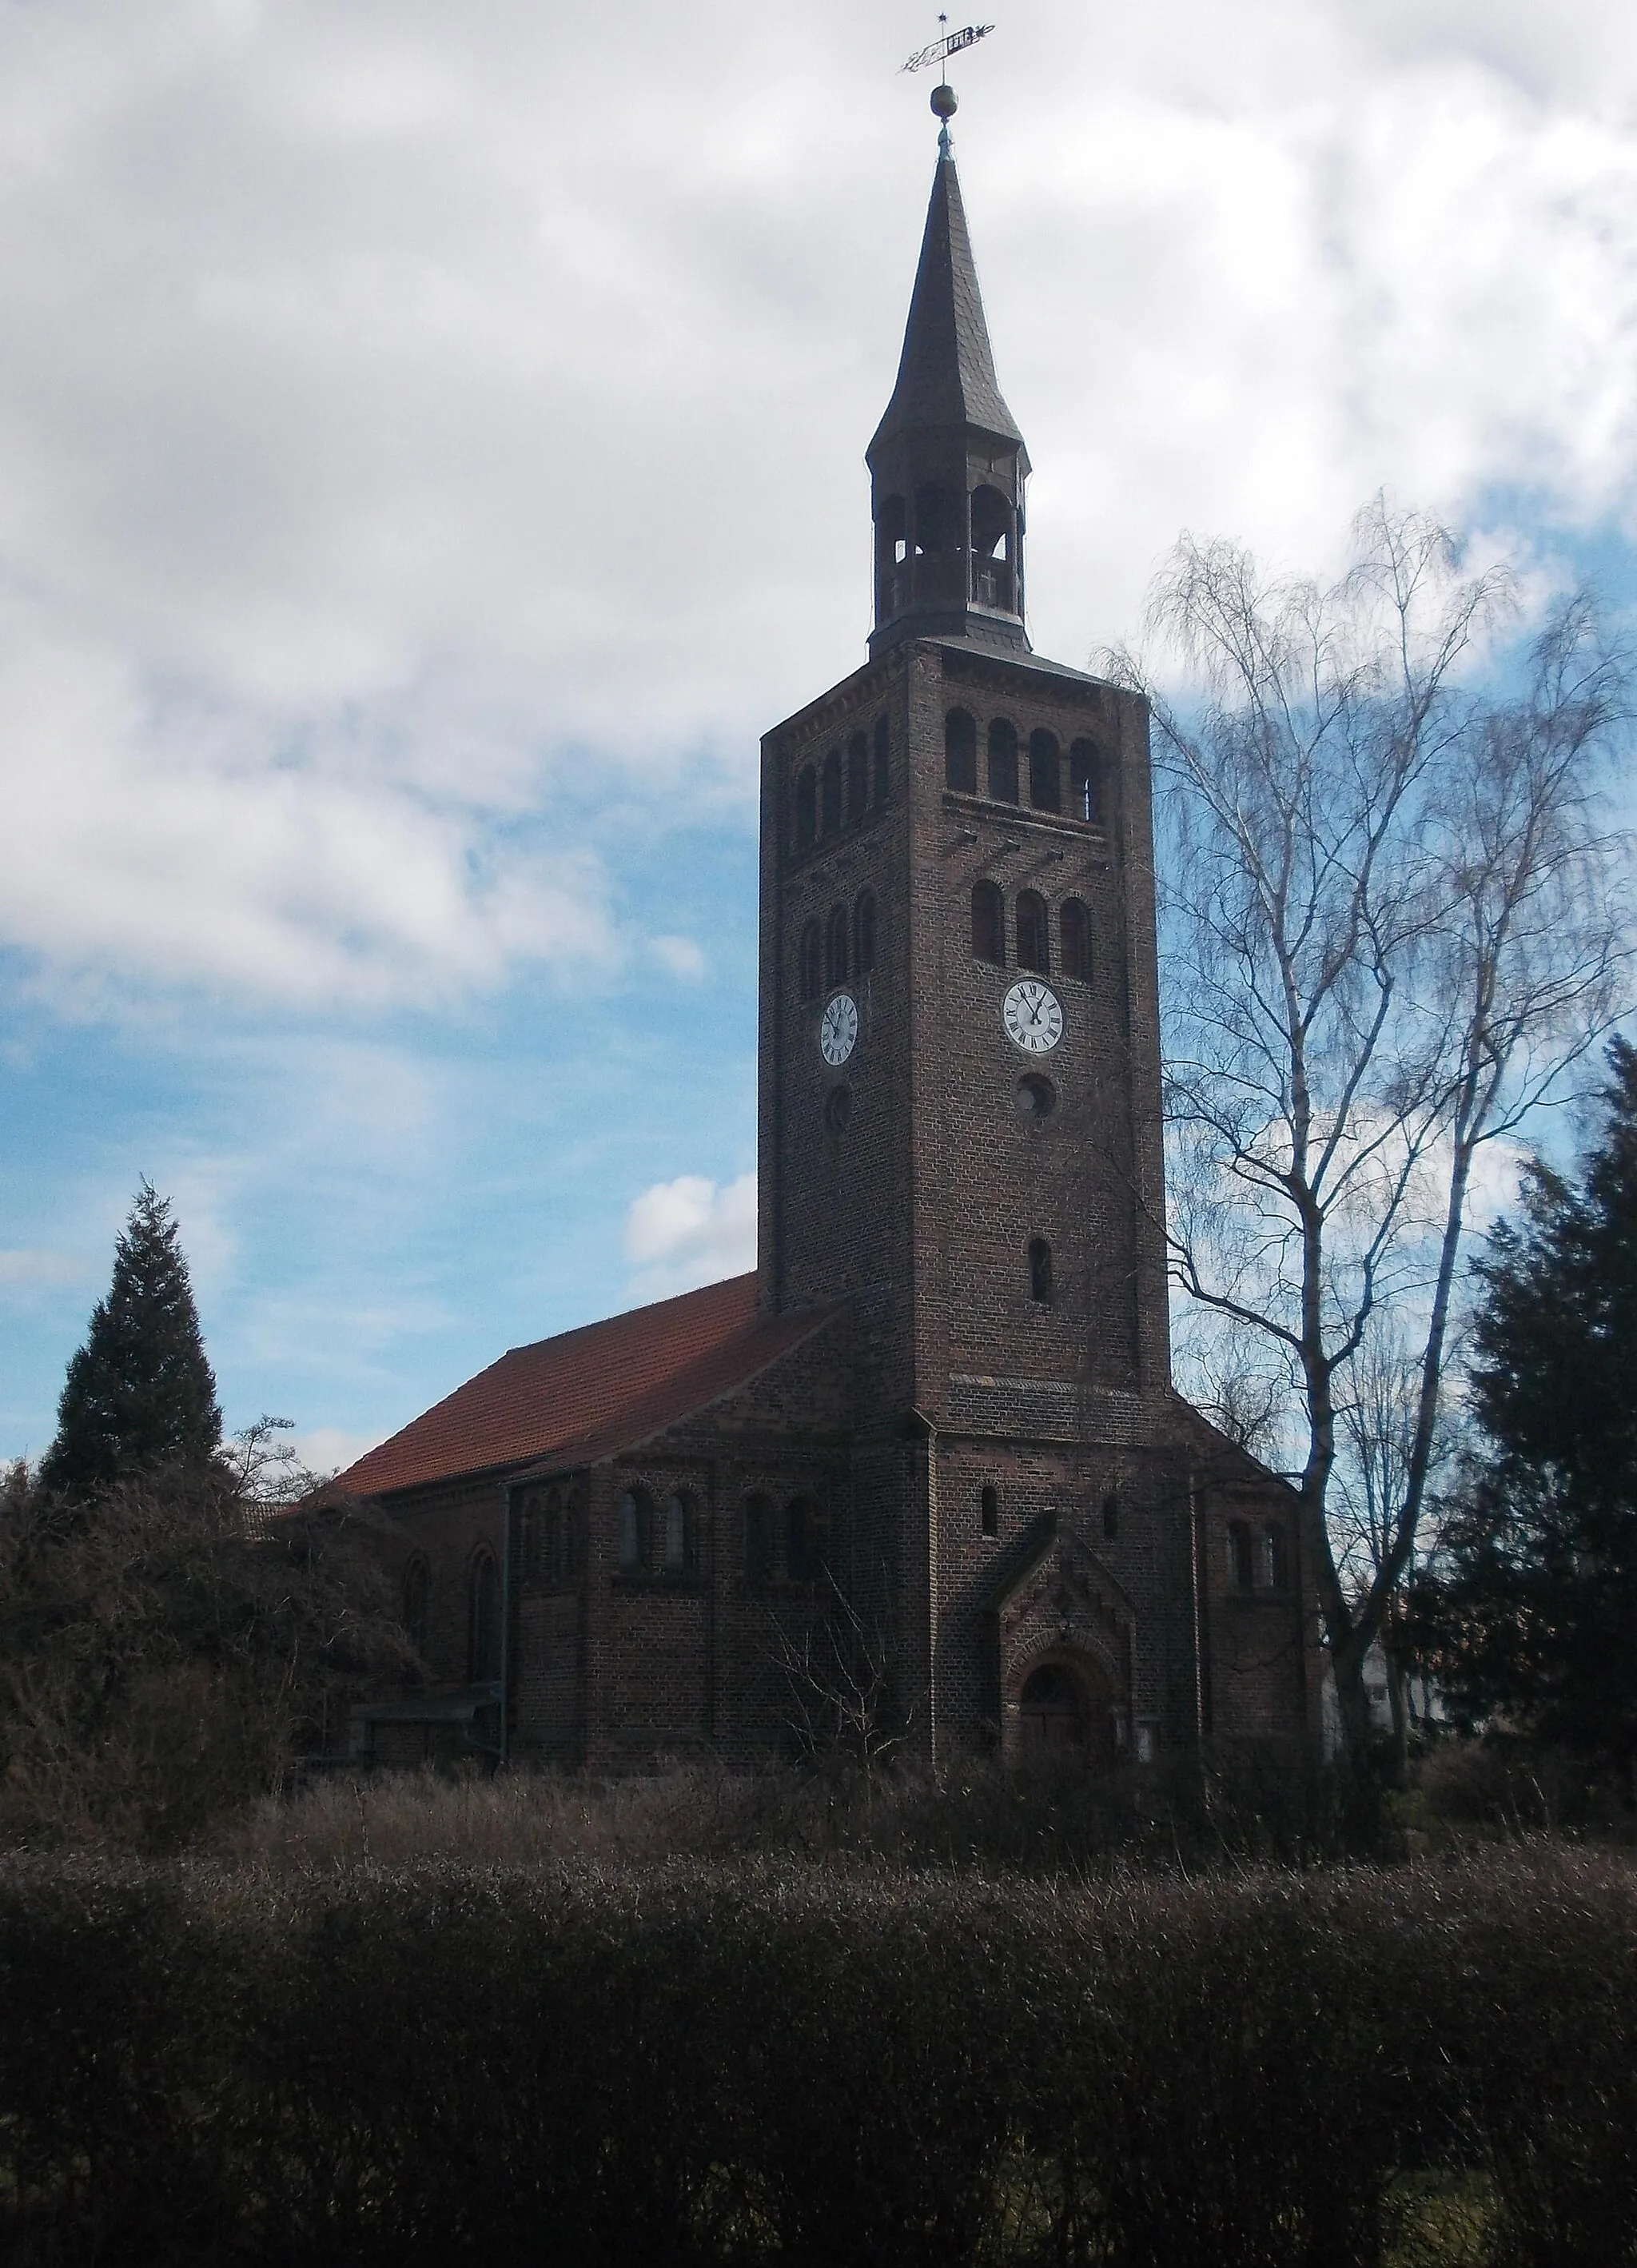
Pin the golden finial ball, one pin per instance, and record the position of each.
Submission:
(944, 104)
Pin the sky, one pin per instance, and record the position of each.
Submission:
(430, 456)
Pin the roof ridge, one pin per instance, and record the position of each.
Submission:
(621, 1314)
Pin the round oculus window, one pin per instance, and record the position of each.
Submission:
(1034, 1097)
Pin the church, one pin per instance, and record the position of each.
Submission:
(926, 1462)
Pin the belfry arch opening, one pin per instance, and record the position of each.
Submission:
(993, 542)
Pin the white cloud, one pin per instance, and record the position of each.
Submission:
(330, 1449)
(26, 1269)
(680, 957)
(687, 1232)
(418, 423)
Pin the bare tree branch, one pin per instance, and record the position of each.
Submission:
(1394, 922)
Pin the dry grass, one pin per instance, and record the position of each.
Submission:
(524, 1819)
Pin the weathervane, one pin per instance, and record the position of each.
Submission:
(947, 44)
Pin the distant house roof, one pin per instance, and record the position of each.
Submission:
(587, 1393)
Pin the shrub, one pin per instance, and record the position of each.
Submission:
(844, 2065)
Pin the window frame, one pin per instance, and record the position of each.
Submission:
(1002, 772)
(992, 897)
(1030, 906)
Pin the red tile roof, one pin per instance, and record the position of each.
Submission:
(590, 1392)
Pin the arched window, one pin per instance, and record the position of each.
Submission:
(857, 777)
(988, 923)
(1039, 1270)
(676, 1542)
(835, 948)
(756, 1541)
(1085, 780)
(1275, 1556)
(812, 960)
(1034, 944)
(864, 933)
(483, 1621)
(960, 752)
(1003, 762)
(806, 1541)
(1111, 1517)
(883, 764)
(635, 1531)
(806, 807)
(1074, 931)
(1241, 1556)
(830, 794)
(989, 1509)
(1044, 772)
(417, 1600)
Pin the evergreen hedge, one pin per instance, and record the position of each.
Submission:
(697, 2065)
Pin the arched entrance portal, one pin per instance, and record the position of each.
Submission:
(1066, 1708)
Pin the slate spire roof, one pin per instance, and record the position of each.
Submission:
(946, 373)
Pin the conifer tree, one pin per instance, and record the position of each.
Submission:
(140, 1393)
(1533, 1609)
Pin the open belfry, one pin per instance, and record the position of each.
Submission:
(926, 1462)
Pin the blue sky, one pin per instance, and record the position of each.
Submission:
(430, 454)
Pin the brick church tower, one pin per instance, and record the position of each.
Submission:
(939, 1419)
(960, 1089)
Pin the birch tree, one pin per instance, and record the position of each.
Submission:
(1392, 925)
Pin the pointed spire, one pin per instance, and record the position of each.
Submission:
(946, 373)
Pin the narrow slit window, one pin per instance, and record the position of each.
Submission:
(634, 1528)
(989, 1509)
(1111, 1518)
(1039, 1270)
(1033, 944)
(835, 948)
(756, 1541)
(806, 807)
(1003, 762)
(1275, 1558)
(1241, 1556)
(678, 1534)
(417, 1598)
(988, 923)
(865, 932)
(811, 960)
(960, 752)
(1044, 772)
(806, 1542)
(483, 1622)
(1073, 930)
(1085, 780)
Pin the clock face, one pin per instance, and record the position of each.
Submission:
(1033, 1016)
(838, 1030)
